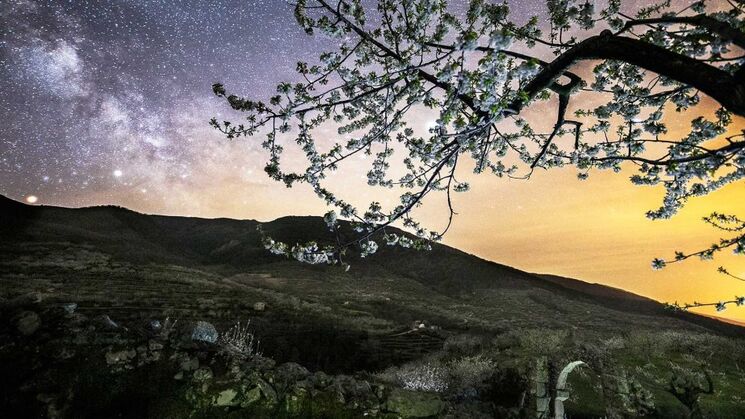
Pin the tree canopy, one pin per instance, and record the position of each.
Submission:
(613, 81)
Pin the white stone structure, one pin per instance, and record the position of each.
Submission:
(562, 393)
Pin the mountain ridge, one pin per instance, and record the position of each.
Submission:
(230, 247)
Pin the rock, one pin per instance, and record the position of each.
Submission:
(154, 345)
(226, 398)
(204, 332)
(260, 306)
(379, 390)
(189, 363)
(296, 401)
(202, 374)
(259, 394)
(320, 379)
(252, 396)
(411, 404)
(291, 372)
(28, 322)
(69, 308)
(268, 391)
(119, 357)
(260, 363)
(352, 388)
(65, 353)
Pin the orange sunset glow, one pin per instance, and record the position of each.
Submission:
(594, 230)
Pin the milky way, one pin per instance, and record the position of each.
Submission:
(101, 96)
(107, 98)
(108, 101)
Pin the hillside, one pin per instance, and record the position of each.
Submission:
(227, 250)
(123, 270)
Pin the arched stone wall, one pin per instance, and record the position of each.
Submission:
(562, 393)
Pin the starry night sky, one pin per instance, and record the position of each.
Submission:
(103, 96)
(109, 99)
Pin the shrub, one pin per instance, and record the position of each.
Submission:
(423, 377)
(163, 329)
(542, 340)
(239, 342)
(615, 343)
(463, 344)
(471, 371)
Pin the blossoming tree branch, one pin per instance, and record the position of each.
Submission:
(483, 74)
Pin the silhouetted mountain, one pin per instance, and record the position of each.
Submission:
(497, 297)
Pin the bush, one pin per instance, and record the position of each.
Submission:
(466, 373)
(614, 343)
(463, 344)
(239, 342)
(471, 371)
(419, 377)
(542, 340)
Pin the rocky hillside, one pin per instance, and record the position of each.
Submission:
(448, 284)
(85, 293)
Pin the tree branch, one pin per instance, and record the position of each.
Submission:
(716, 83)
(723, 29)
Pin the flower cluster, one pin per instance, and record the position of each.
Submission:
(423, 377)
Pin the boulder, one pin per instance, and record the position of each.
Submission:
(28, 322)
(269, 393)
(351, 388)
(296, 401)
(290, 373)
(258, 393)
(320, 379)
(69, 308)
(252, 396)
(226, 397)
(119, 357)
(204, 332)
(189, 363)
